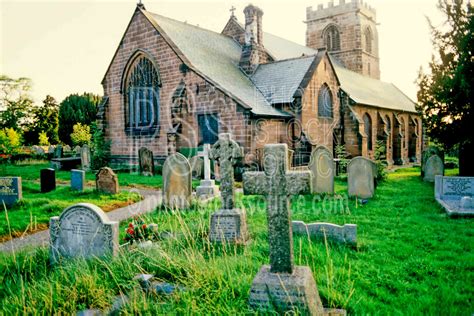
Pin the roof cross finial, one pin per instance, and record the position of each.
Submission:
(232, 9)
(140, 4)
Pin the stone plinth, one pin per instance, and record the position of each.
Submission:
(229, 226)
(207, 189)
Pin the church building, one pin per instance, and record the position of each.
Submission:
(172, 87)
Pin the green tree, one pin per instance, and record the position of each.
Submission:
(10, 141)
(15, 102)
(76, 109)
(44, 119)
(445, 95)
(81, 134)
(101, 148)
(43, 139)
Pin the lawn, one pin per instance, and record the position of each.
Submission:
(410, 259)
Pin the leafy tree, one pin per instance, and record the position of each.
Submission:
(15, 102)
(43, 139)
(76, 109)
(44, 119)
(81, 134)
(446, 94)
(10, 141)
(101, 149)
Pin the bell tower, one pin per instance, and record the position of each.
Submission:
(349, 33)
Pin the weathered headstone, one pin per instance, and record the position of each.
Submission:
(433, 167)
(106, 181)
(229, 224)
(10, 190)
(145, 158)
(51, 149)
(85, 158)
(427, 153)
(177, 187)
(361, 173)
(455, 194)
(67, 149)
(281, 286)
(38, 150)
(58, 151)
(197, 167)
(77, 150)
(322, 168)
(82, 230)
(343, 234)
(78, 179)
(48, 180)
(207, 188)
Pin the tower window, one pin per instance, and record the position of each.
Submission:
(332, 38)
(368, 40)
(325, 102)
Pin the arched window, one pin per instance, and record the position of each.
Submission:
(142, 97)
(368, 40)
(368, 130)
(325, 102)
(332, 38)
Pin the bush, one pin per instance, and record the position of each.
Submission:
(43, 139)
(342, 155)
(380, 160)
(100, 149)
(81, 135)
(10, 141)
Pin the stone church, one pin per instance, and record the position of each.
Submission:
(172, 86)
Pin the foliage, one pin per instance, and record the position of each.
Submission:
(100, 149)
(44, 119)
(10, 141)
(15, 102)
(43, 139)
(137, 230)
(380, 159)
(76, 109)
(342, 155)
(446, 94)
(81, 134)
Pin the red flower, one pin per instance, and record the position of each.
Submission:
(130, 231)
(144, 226)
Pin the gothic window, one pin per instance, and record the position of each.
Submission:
(368, 130)
(325, 106)
(368, 40)
(332, 38)
(142, 97)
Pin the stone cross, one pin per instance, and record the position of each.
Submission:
(227, 152)
(207, 163)
(277, 183)
(232, 9)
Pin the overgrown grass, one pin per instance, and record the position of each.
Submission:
(411, 259)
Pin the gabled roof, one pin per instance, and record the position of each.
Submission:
(216, 57)
(368, 91)
(279, 81)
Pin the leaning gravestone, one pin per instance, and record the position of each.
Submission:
(106, 181)
(177, 182)
(82, 230)
(78, 179)
(197, 167)
(322, 168)
(455, 194)
(10, 190)
(85, 158)
(207, 188)
(361, 173)
(145, 158)
(433, 167)
(281, 286)
(48, 180)
(229, 224)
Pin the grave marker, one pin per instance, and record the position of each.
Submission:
(78, 179)
(145, 158)
(455, 194)
(82, 230)
(48, 180)
(85, 158)
(433, 167)
(106, 181)
(10, 190)
(361, 174)
(207, 187)
(177, 187)
(322, 168)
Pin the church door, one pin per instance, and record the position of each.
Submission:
(208, 128)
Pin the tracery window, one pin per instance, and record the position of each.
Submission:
(332, 38)
(325, 104)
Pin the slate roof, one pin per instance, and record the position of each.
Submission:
(280, 80)
(217, 57)
(373, 92)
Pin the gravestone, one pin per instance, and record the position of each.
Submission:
(456, 195)
(207, 188)
(229, 224)
(78, 179)
(106, 181)
(48, 180)
(51, 149)
(82, 230)
(10, 190)
(58, 151)
(38, 150)
(67, 149)
(85, 158)
(281, 285)
(77, 151)
(361, 173)
(427, 153)
(433, 167)
(343, 234)
(197, 167)
(177, 182)
(145, 158)
(322, 168)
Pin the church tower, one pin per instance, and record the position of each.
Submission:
(349, 32)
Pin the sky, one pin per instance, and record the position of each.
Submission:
(65, 46)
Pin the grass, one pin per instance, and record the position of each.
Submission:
(411, 259)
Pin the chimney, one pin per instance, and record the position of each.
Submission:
(252, 50)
